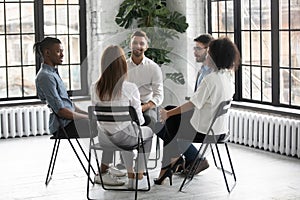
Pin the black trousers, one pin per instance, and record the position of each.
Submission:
(178, 134)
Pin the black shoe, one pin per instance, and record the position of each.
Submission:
(168, 173)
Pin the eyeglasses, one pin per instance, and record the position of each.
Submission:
(199, 48)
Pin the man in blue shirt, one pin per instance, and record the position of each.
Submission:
(51, 90)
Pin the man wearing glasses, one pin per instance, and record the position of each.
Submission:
(200, 53)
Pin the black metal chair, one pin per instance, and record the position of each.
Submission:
(209, 140)
(114, 114)
(62, 134)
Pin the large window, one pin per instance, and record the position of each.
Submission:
(268, 35)
(22, 23)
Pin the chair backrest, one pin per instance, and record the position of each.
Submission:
(111, 114)
(221, 110)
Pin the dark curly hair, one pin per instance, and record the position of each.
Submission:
(224, 53)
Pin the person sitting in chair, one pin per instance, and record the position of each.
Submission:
(190, 121)
(51, 90)
(112, 89)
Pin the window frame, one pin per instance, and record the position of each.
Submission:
(38, 35)
(275, 53)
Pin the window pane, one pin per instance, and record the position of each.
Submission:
(222, 16)
(64, 74)
(27, 11)
(266, 49)
(49, 19)
(3, 90)
(74, 20)
(214, 17)
(29, 81)
(12, 21)
(2, 51)
(245, 14)
(73, 2)
(267, 84)
(295, 14)
(14, 82)
(255, 48)
(246, 82)
(61, 1)
(246, 48)
(62, 19)
(284, 86)
(284, 49)
(13, 50)
(266, 14)
(283, 14)
(295, 49)
(255, 15)
(74, 49)
(28, 54)
(230, 18)
(256, 83)
(1, 18)
(48, 2)
(75, 77)
(295, 87)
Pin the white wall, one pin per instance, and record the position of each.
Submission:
(102, 31)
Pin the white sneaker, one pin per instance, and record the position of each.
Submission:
(142, 184)
(108, 179)
(114, 171)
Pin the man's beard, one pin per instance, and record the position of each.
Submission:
(137, 53)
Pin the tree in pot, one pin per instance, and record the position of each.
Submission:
(161, 25)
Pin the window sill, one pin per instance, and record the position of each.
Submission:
(267, 109)
(25, 102)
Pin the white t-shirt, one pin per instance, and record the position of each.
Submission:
(216, 87)
(130, 96)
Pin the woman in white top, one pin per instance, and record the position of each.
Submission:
(223, 57)
(112, 89)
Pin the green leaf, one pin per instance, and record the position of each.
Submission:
(176, 77)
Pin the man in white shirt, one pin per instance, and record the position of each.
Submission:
(147, 75)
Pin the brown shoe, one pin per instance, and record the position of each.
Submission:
(202, 166)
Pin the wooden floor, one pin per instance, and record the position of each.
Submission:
(260, 175)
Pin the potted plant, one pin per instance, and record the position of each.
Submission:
(161, 25)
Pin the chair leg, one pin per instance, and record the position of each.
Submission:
(85, 170)
(157, 155)
(88, 180)
(217, 166)
(223, 170)
(52, 161)
(82, 150)
(230, 161)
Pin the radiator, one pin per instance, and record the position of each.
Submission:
(24, 121)
(271, 133)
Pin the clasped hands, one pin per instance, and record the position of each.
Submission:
(163, 115)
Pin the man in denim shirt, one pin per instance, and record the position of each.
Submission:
(51, 90)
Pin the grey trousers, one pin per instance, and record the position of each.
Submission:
(125, 139)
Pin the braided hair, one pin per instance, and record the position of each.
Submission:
(47, 42)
